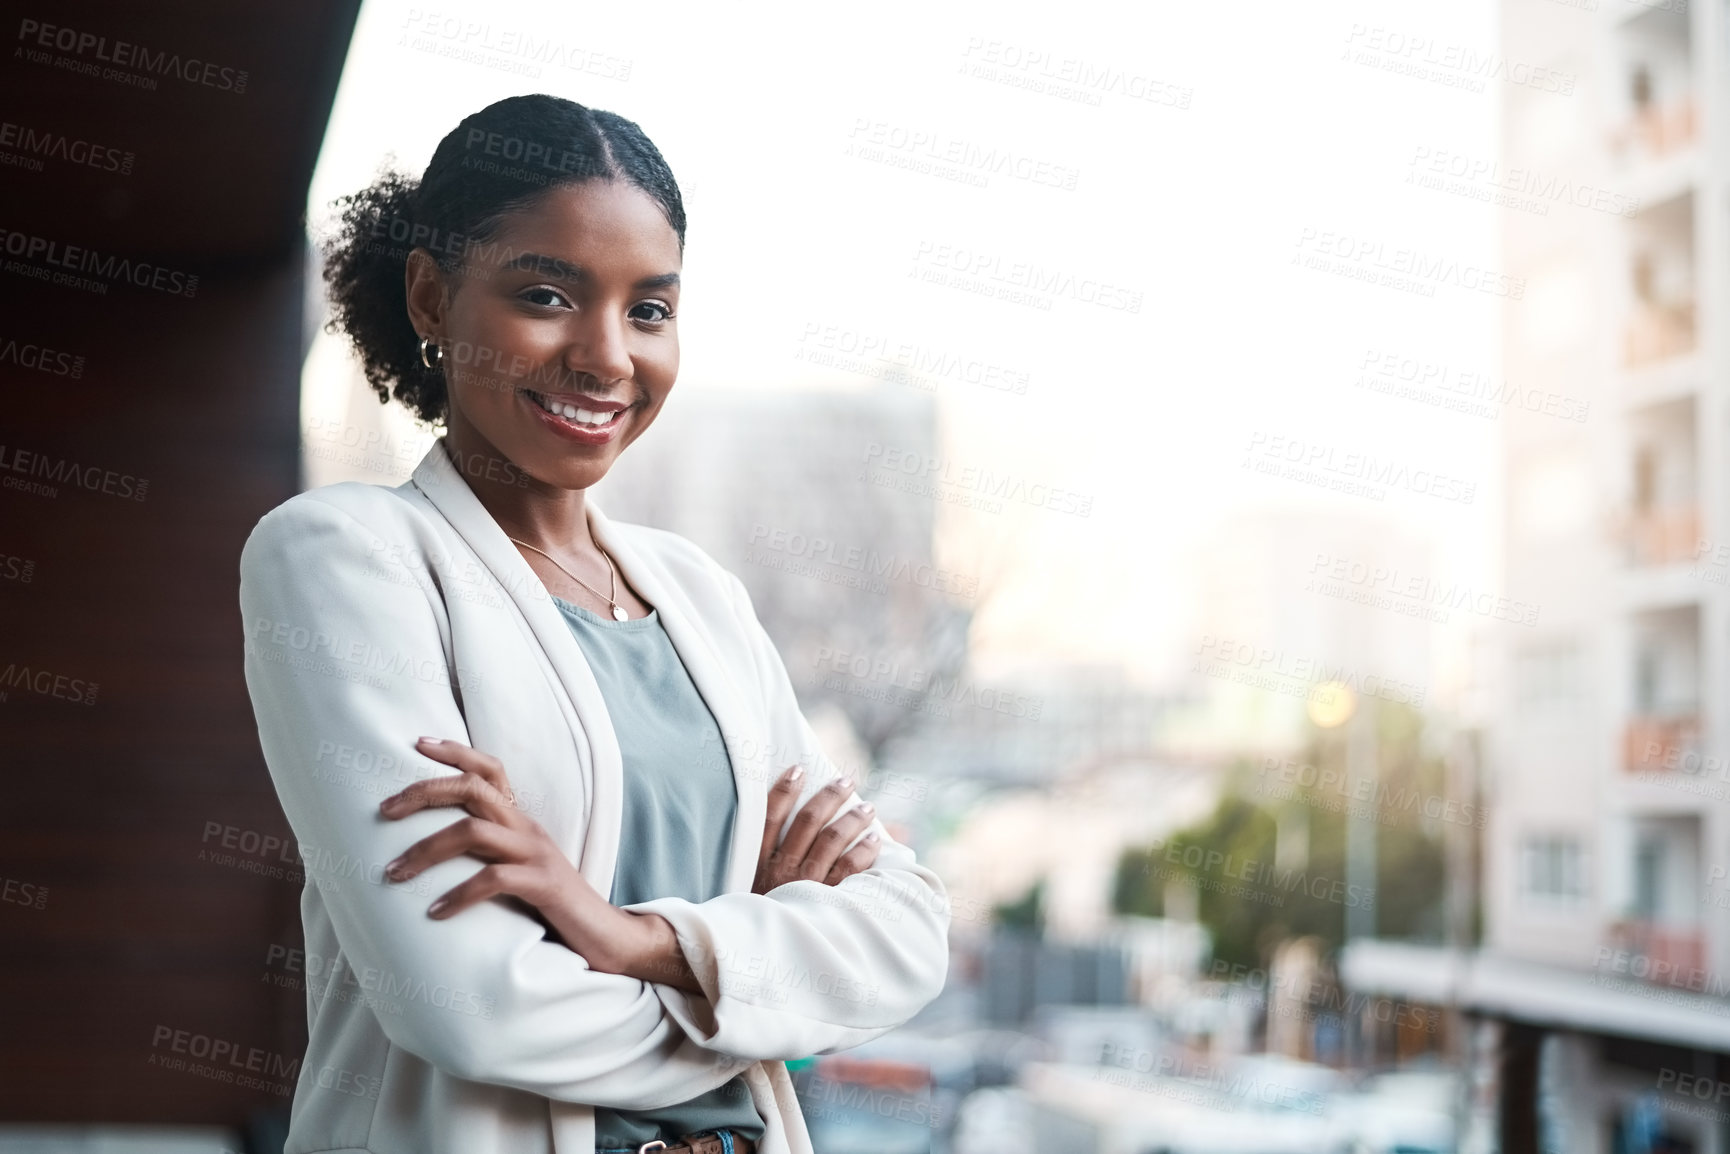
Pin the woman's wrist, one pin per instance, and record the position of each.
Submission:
(617, 941)
(658, 956)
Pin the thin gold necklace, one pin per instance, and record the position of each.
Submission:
(619, 613)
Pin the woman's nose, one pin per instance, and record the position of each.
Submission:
(597, 348)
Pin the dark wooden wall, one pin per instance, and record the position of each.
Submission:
(126, 934)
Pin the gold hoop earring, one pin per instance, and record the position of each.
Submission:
(434, 361)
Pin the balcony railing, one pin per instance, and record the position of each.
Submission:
(1657, 131)
(1667, 955)
(1656, 333)
(1661, 536)
(1662, 744)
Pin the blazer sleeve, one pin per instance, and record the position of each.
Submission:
(346, 646)
(808, 968)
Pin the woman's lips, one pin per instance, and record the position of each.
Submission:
(580, 425)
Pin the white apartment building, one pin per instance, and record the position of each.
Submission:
(1600, 989)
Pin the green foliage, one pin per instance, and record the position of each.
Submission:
(1027, 913)
(1250, 897)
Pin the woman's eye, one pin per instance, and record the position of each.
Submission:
(652, 311)
(542, 295)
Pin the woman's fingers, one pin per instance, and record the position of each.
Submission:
(470, 760)
(493, 880)
(826, 848)
(470, 791)
(485, 840)
(481, 788)
(782, 795)
(856, 860)
(814, 816)
(524, 861)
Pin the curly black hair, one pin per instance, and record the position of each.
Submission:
(498, 160)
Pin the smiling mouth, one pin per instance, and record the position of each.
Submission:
(573, 414)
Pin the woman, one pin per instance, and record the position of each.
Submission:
(580, 724)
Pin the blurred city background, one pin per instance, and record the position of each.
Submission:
(1243, 487)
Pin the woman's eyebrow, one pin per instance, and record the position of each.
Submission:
(552, 266)
(560, 269)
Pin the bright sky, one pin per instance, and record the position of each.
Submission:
(1255, 127)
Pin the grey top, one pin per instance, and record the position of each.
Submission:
(677, 828)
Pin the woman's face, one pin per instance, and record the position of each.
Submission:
(568, 306)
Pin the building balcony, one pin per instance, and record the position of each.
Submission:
(1654, 537)
(1657, 333)
(1674, 955)
(1657, 131)
(1605, 998)
(1659, 744)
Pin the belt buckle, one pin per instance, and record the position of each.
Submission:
(651, 1144)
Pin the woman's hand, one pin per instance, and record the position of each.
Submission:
(524, 862)
(811, 851)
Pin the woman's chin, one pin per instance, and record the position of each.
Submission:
(564, 473)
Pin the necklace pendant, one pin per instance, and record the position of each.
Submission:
(619, 613)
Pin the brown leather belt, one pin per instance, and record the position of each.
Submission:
(700, 1144)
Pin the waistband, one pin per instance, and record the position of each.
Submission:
(707, 1142)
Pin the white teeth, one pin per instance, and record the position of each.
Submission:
(572, 413)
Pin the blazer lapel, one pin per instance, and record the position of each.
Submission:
(438, 478)
(680, 616)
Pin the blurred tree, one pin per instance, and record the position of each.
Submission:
(1252, 892)
(1026, 913)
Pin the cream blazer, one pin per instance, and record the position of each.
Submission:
(376, 615)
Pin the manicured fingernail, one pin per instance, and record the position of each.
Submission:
(394, 870)
(432, 741)
(844, 783)
(867, 808)
(797, 772)
(872, 836)
(437, 906)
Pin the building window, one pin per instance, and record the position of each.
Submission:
(1553, 872)
(1648, 878)
(1547, 676)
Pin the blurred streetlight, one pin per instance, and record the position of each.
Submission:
(1331, 704)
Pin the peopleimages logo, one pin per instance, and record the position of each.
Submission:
(506, 49)
(61, 471)
(1454, 65)
(932, 261)
(862, 560)
(1389, 587)
(77, 259)
(1349, 471)
(215, 1050)
(1464, 390)
(46, 683)
(1360, 796)
(879, 355)
(885, 142)
(1270, 668)
(1309, 994)
(1512, 187)
(1066, 77)
(31, 146)
(1366, 258)
(339, 971)
(1260, 878)
(40, 358)
(123, 55)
